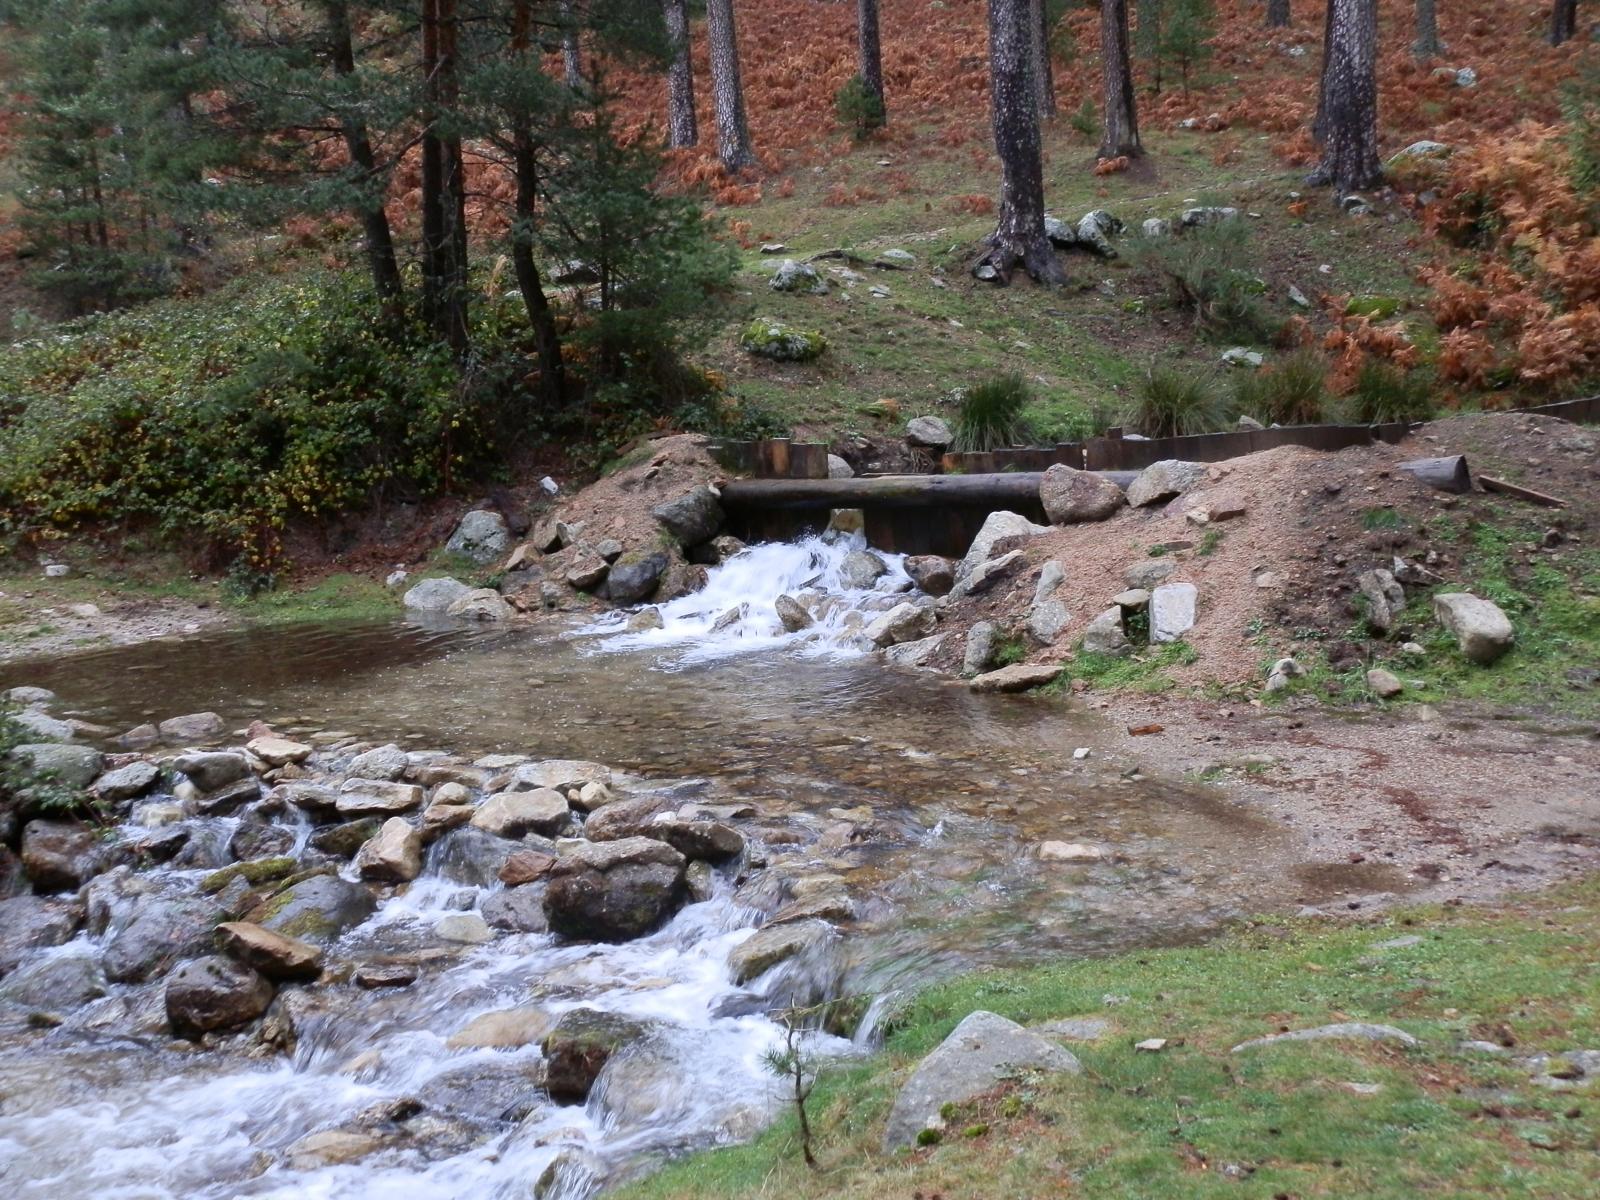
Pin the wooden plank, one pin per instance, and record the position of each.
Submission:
(1491, 484)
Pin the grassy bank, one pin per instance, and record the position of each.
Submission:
(1296, 1120)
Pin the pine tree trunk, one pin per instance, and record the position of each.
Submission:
(444, 217)
(1319, 125)
(1277, 14)
(870, 53)
(1350, 98)
(571, 55)
(1019, 237)
(375, 229)
(1563, 21)
(1122, 114)
(1044, 83)
(1427, 44)
(682, 128)
(547, 341)
(733, 129)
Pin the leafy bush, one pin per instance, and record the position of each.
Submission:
(990, 416)
(1293, 391)
(858, 109)
(1174, 403)
(1202, 273)
(1384, 393)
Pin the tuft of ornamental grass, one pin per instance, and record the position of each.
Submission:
(1384, 393)
(990, 417)
(1293, 391)
(1174, 403)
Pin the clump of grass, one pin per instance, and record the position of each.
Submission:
(1175, 403)
(1203, 276)
(1009, 650)
(1293, 391)
(1386, 393)
(990, 416)
(1209, 541)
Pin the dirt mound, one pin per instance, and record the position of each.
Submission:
(1283, 570)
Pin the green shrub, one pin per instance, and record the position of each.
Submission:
(1085, 122)
(1293, 391)
(1174, 403)
(859, 110)
(1385, 393)
(1203, 275)
(990, 416)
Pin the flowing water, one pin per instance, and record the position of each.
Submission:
(926, 803)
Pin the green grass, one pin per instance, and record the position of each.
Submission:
(1444, 1122)
(336, 598)
(1144, 670)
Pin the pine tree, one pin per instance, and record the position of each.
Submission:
(1019, 237)
(869, 57)
(1044, 84)
(1563, 21)
(1121, 133)
(1427, 44)
(1147, 39)
(733, 127)
(1348, 116)
(1277, 14)
(682, 127)
(444, 189)
(1186, 30)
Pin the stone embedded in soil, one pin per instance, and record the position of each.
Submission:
(1047, 622)
(1149, 573)
(1075, 1029)
(275, 955)
(1105, 634)
(1071, 496)
(394, 855)
(1163, 480)
(777, 943)
(1357, 1031)
(980, 1053)
(513, 814)
(1482, 631)
(1385, 598)
(214, 993)
(588, 572)
(1070, 852)
(1384, 684)
(988, 573)
(579, 1047)
(1172, 611)
(979, 651)
(1019, 677)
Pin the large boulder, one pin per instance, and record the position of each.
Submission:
(634, 576)
(1163, 480)
(905, 622)
(692, 518)
(579, 1047)
(378, 797)
(980, 1053)
(481, 536)
(74, 767)
(32, 922)
(213, 771)
(932, 573)
(275, 955)
(156, 932)
(613, 891)
(214, 993)
(998, 526)
(434, 595)
(928, 433)
(317, 909)
(513, 814)
(61, 856)
(1482, 630)
(481, 604)
(393, 856)
(861, 570)
(1070, 496)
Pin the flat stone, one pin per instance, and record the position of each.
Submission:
(1070, 852)
(562, 774)
(1356, 1031)
(275, 955)
(278, 752)
(74, 767)
(1075, 1029)
(467, 928)
(980, 1053)
(387, 763)
(1482, 630)
(213, 771)
(192, 727)
(512, 814)
(1017, 678)
(378, 797)
(127, 783)
(1149, 573)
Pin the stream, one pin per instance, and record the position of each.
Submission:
(922, 803)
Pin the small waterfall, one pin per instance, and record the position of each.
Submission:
(737, 610)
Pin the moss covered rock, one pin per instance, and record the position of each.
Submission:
(767, 338)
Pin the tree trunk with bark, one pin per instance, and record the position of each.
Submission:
(381, 260)
(869, 53)
(1019, 237)
(1319, 127)
(571, 53)
(733, 128)
(1349, 114)
(1044, 81)
(524, 163)
(444, 199)
(682, 128)
(1277, 14)
(1122, 115)
(1563, 21)
(1427, 44)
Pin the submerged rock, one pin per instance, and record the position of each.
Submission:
(61, 856)
(980, 1053)
(774, 944)
(33, 922)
